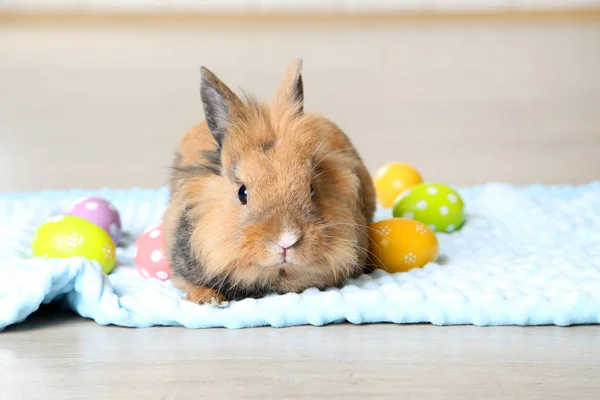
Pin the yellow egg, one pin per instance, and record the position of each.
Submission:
(392, 179)
(401, 244)
(68, 236)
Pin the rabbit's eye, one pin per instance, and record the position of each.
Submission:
(312, 191)
(243, 194)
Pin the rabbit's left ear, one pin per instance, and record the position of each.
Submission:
(290, 92)
(220, 103)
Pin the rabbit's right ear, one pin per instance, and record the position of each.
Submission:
(290, 92)
(219, 103)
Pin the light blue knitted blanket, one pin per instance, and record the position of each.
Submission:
(527, 256)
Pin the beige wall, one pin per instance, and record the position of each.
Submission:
(104, 105)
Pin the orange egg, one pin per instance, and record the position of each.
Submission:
(401, 244)
(392, 179)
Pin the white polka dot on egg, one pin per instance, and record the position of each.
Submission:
(410, 258)
(450, 228)
(452, 197)
(108, 252)
(397, 184)
(92, 205)
(111, 207)
(156, 256)
(432, 190)
(421, 205)
(154, 234)
(432, 227)
(145, 273)
(408, 215)
(444, 210)
(162, 275)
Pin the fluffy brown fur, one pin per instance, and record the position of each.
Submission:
(220, 249)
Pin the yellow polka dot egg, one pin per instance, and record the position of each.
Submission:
(400, 244)
(70, 236)
(438, 206)
(392, 179)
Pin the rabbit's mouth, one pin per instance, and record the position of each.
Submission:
(284, 251)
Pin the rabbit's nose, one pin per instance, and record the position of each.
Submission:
(288, 239)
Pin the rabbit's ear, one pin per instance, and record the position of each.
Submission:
(219, 102)
(290, 92)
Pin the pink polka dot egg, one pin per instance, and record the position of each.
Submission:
(100, 212)
(149, 254)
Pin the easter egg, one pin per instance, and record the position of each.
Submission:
(149, 254)
(69, 236)
(392, 179)
(100, 212)
(438, 206)
(399, 244)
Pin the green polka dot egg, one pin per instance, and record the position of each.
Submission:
(438, 206)
(69, 236)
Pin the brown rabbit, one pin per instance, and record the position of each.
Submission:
(265, 198)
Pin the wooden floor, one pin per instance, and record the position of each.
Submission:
(57, 356)
(93, 105)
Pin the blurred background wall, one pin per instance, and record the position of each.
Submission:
(97, 93)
